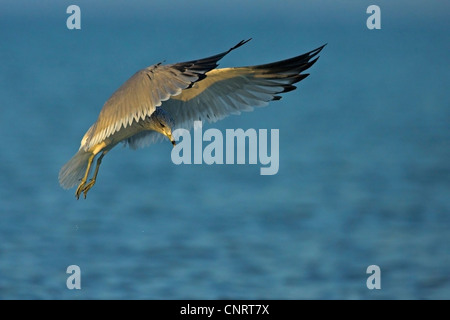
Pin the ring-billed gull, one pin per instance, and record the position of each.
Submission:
(161, 98)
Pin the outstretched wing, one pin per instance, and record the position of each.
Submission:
(139, 96)
(232, 90)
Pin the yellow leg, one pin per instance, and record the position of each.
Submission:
(91, 183)
(83, 181)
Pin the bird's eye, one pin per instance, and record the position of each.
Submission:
(163, 126)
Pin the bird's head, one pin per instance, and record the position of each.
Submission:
(162, 122)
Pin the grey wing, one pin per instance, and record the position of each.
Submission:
(233, 90)
(230, 91)
(139, 96)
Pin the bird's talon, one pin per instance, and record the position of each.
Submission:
(88, 187)
(80, 190)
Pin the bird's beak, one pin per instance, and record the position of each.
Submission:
(171, 139)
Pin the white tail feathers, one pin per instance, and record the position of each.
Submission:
(73, 171)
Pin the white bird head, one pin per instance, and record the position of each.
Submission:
(162, 122)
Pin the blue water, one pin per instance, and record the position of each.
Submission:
(364, 173)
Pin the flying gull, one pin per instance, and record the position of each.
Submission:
(162, 98)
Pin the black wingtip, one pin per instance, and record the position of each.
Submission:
(239, 44)
(316, 51)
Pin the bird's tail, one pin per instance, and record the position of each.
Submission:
(73, 171)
